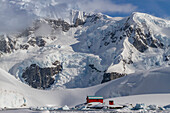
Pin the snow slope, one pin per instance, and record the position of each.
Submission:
(148, 82)
(10, 91)
(148, 99)
(14, 94)
(154, 82)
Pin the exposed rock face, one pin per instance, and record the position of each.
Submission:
(111, 76)
(7, 45)
(54, 25)
(138, 34)
(142, 41)
(39, 41)
(78, 22)
(92, 67)
(59, 24)
(93, 18)
(166, 57)
(41, 78)
(24, 46)
(142, 37)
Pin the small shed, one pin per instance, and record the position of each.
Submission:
(94, 99)
(111, 102)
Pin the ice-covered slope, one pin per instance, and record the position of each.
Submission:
(148, 82)
(16, 94)
(10, 91)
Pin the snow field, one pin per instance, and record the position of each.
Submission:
(135, 84)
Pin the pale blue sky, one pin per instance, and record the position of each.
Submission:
(13, 16)
(159, 8)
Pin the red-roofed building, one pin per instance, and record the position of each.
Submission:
(94, 99)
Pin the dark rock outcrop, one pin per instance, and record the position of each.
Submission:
(41, 78)
(166, 58)
(93, 18)
(111, 76)
(94, 68)
(142, 38)
(7, 45)
(139, 45)
(78, 22)
(24, 46)
(39, 41)
(59, 24)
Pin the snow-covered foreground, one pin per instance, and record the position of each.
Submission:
(29, 111)
(23, 111)
(93, 111)
(148, 99)
(14, 94)
(34, 97)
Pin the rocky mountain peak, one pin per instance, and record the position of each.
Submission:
(7, 44)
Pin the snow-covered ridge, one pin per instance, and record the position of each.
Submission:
(149, 19)
(91, 47)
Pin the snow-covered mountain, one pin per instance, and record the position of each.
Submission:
(90, 50)
(67, 51)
